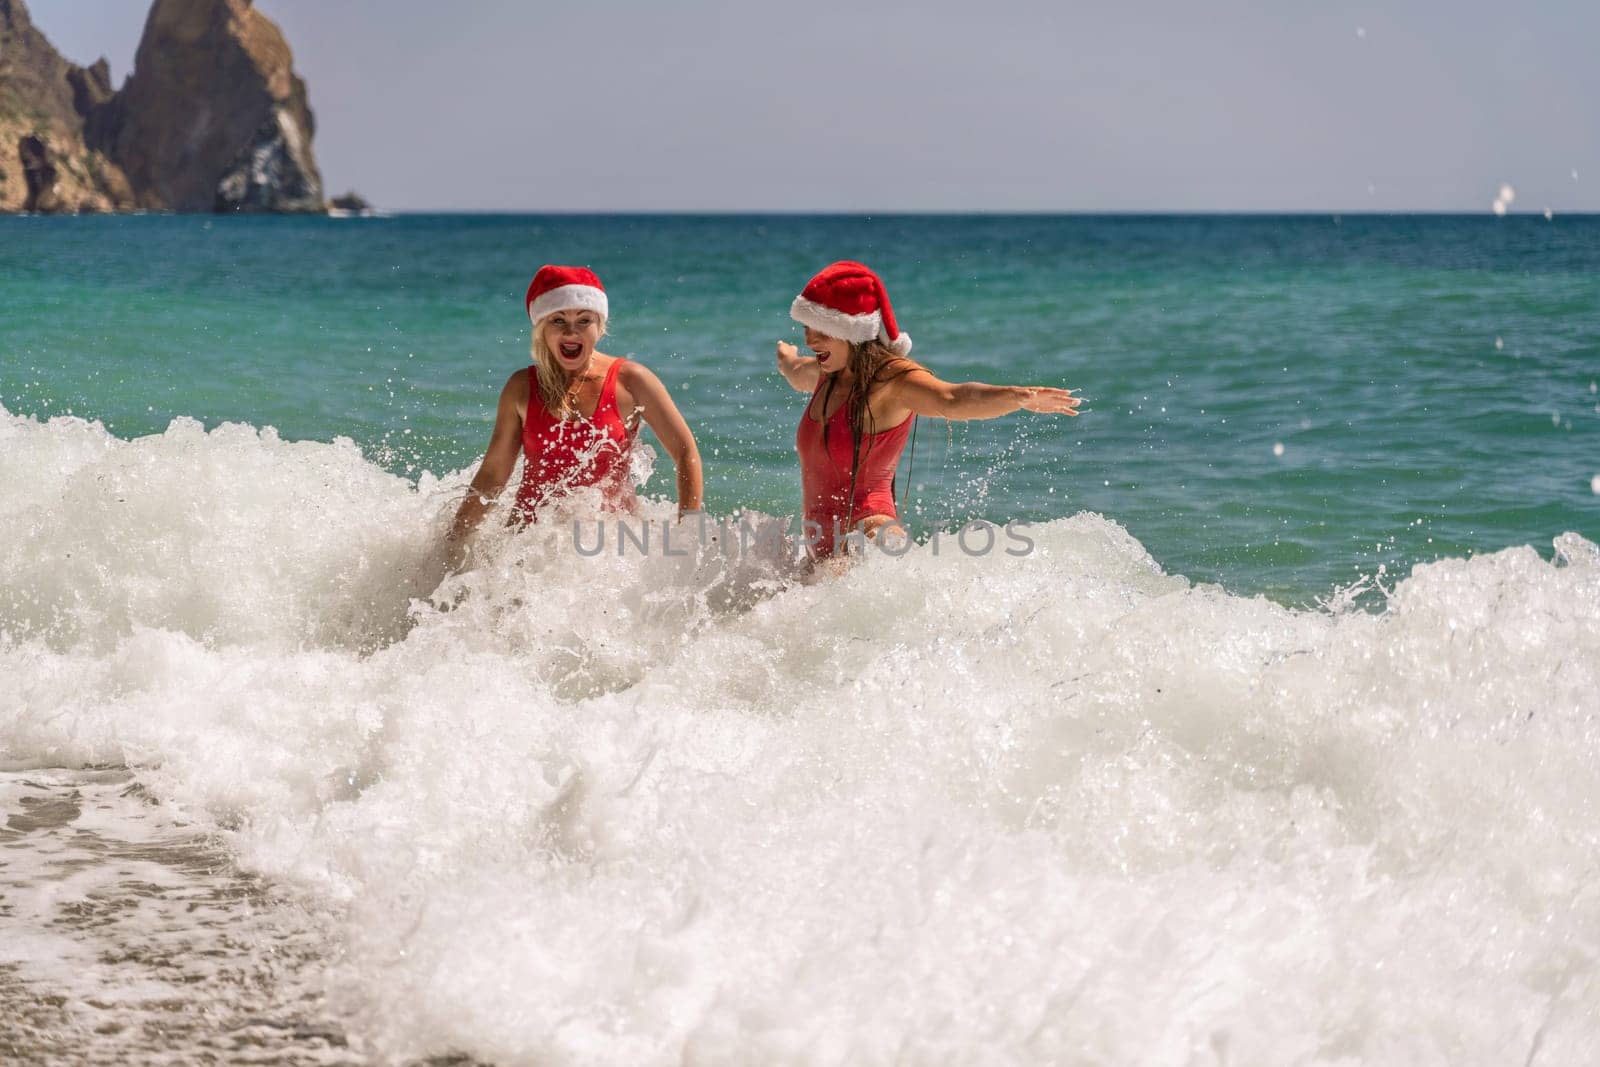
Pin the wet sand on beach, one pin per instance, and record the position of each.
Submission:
(127, 937)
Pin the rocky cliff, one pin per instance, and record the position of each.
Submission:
(213, 118)
(45, 165)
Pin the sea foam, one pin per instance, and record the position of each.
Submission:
(1059, 808)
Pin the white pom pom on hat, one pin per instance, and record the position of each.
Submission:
(564, 289)
(847, 300)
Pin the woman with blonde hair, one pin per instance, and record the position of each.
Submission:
(574, 413)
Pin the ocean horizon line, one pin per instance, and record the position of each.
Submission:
(381, 213)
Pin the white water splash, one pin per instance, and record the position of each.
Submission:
(1059, 808)
(1503, 200)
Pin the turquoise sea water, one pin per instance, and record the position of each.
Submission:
(1431, 380)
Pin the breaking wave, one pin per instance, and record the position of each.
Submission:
(1062, 807)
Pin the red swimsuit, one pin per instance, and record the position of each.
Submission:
(825, 472)
(566, 454)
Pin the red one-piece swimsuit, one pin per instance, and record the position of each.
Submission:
(560, 455)
(825, 473)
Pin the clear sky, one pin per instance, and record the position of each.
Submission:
(911, 105)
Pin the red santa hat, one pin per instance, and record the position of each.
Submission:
(565, 289)
(846, 300)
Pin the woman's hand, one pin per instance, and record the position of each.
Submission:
(1049, 400)
(801, 372)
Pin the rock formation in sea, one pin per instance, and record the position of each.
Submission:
(351, 203)
(213, 118)
(45, 164)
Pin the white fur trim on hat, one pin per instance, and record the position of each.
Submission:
(854, 328)
(824, 319)
(568, 298)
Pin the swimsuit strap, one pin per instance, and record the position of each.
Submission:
(608, 389)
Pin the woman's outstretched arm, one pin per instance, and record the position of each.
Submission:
(499, 460)
(926, 395)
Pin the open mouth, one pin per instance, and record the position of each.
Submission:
(572, 351)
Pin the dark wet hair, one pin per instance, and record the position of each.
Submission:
(872, 364)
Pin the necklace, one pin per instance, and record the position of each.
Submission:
(569, 399)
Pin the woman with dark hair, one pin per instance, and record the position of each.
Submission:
(865, 390)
